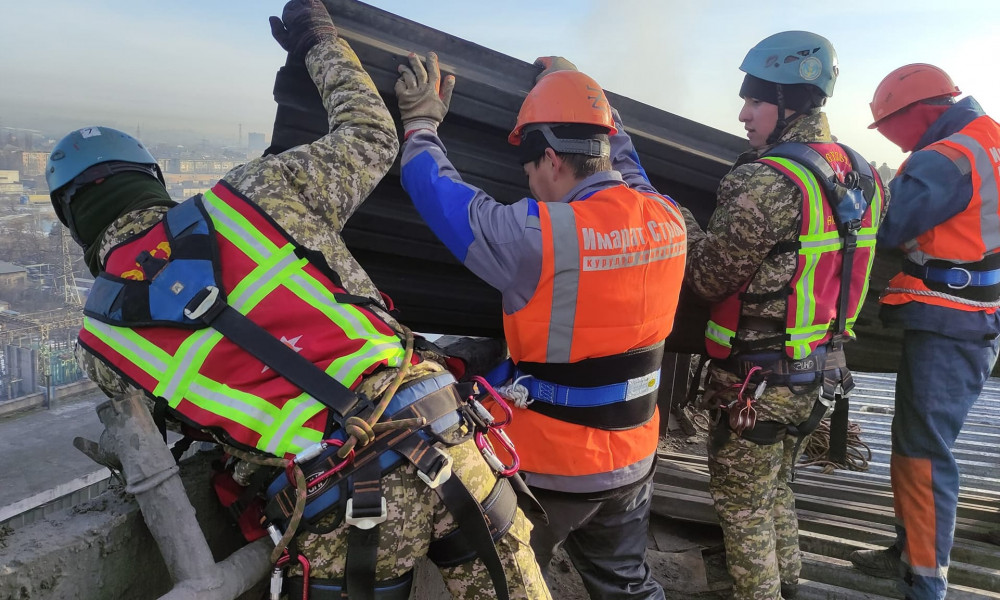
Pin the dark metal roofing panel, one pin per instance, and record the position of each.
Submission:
(683, 159)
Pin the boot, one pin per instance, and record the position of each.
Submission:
(878, 563)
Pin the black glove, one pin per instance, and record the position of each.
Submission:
(302, 24)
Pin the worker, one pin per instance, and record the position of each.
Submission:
(783, 262)
(242, 314)
(589, 270)
(945, 299)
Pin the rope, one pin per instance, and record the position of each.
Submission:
(933, 294)
(516, 393)
(362, 431)
(817, 449)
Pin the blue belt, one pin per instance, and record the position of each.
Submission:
(565, 395)
(958, 277)
(390, 459)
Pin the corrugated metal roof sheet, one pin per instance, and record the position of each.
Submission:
(684, 159)
(847, 510)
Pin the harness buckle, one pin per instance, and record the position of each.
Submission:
(443, 472)
(365, 522)
(206, 304)
(968, 279)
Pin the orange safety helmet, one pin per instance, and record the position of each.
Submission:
(564, 97)
(909, 84)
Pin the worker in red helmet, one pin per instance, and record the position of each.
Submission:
(946, 220)
(589, 269)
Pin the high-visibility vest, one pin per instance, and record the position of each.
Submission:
(969, 242)
(612, 266)
(206, 379)
(814, 289)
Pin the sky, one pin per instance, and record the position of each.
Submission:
(207, 67)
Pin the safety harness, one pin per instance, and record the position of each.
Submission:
(178, 307)
(823, 365)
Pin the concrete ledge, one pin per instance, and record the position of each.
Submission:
(102, 549)
(22, 404)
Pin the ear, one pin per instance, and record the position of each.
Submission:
(558, 163)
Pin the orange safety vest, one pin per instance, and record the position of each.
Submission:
(972, 236)
(612, 266)
(815, 288)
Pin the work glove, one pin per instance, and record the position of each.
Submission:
(303, 23)
(423, 100)
(551, 64)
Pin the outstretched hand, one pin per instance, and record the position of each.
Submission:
(423, 98)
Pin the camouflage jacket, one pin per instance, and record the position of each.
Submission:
(757, 207)
(310, 190)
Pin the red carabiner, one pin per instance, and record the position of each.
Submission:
(290, 468)
(287, 558)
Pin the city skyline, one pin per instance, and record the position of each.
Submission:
(187, 71)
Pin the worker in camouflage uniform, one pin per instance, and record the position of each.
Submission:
(748, 264)
(108, 190)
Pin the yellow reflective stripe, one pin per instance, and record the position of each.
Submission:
(348, 317)
(347, 369)
(812, 187)
(719, 334)
(237, 229)
(289, 434)
(240, 407)
(186, 363)
(136, 348)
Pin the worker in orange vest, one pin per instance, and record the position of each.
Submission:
(590, 270)
(946, 219)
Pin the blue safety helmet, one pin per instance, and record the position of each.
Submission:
(793, 57)
(86, 155)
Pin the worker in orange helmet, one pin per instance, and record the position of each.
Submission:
(590, 270)
(946, 219)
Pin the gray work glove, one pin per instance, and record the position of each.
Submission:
(423, 99)
(551, 64)
(303, 23)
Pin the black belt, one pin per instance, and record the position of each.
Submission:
(780, 364)
(603, 370)
(971, 281)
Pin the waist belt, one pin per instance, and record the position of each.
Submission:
(565, 395)
(978, 281)
(782, 370)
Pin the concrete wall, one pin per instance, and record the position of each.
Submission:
(37, 400)
(102, 549)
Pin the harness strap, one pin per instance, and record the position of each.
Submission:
(973, 281)
(362, 542)
(431, 407)
(599, 371)
(333, 589)
(500, 508)
(263, 346)
(477, 533)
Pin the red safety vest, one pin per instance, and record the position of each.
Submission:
(205, 378)
(612, 266)
(815, 287)
(971, 235)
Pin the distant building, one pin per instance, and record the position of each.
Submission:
(256, 143)
(9, 177)
(12, 275)
(33, 163)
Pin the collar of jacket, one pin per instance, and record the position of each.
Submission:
(593, 183)
(128, 225)
(951, 121)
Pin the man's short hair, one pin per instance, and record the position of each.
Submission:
(534, 144)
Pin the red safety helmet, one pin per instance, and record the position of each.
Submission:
(909, 84)
(564, 97)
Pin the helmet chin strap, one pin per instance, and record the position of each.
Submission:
(779, 127)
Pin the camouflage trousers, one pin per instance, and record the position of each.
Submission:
(416, 517)
(755, 505)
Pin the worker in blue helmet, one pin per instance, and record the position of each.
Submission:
(783, 263)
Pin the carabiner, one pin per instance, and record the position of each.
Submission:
(290, 468)
(489, 453)
(508, 413)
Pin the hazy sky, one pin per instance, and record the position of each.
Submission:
(209, 65)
